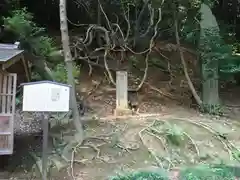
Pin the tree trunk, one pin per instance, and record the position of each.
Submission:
(209, 34)
(69, 67)
(40, 66)
(190, 84)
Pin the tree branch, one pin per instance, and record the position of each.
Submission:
(190, 84)
(150, 48)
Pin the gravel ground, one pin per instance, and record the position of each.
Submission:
(26, 126)
(27, 123)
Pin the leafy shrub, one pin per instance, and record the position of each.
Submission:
(31, 37)
(60, 73)
(34, 40)
(206, 172)
(174, 134)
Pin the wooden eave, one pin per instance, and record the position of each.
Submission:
(9, 61)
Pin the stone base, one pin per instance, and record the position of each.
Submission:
(122, 112)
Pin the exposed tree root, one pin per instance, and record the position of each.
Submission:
(228, 146)
(170, 164)
(204, 126)
(73, 160)
(80, 146)
(193, 143)
(153, 131)
(228, 143)
(150, 151)
(186, 134)
(116, 42)
(160, 139)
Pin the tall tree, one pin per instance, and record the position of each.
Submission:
(209, 42)
(69, 67)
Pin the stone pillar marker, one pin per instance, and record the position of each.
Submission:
(122, 94)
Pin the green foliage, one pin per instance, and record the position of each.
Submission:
(236, 47)
(212, 109)
(227, 32)
(43, 46)
(209, 47)
(206, 172)
(213, 48)
(142, 176)
(35, 76)
(174, 134)
(60, 73)
(200, 172)
(236, 155)
(21, 24)
(190, 26)
(31, 37)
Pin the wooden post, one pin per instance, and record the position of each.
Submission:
(45, 118)
(122, 93)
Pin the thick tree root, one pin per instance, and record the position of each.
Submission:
(193, 143)
(158, 134)
(209, 129)
(158, 161)
(170, 164)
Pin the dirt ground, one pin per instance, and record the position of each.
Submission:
(124, 144)
(118, 147)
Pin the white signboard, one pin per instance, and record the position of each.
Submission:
(46, 96)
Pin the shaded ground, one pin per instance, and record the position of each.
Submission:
(116, 146)
(121, 149)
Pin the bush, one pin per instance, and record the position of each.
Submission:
(206, 172)
(30, 36)
(60, 73)
(34, 40)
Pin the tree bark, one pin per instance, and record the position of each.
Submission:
(209, 32)
(69, 67)
(40, 66)
(190, 84)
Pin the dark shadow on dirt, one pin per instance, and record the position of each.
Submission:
(20, 160)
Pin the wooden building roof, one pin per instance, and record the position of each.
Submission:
(9, 54)
(10, 58)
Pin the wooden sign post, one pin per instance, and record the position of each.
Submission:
(122, 93)
(45, 97)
